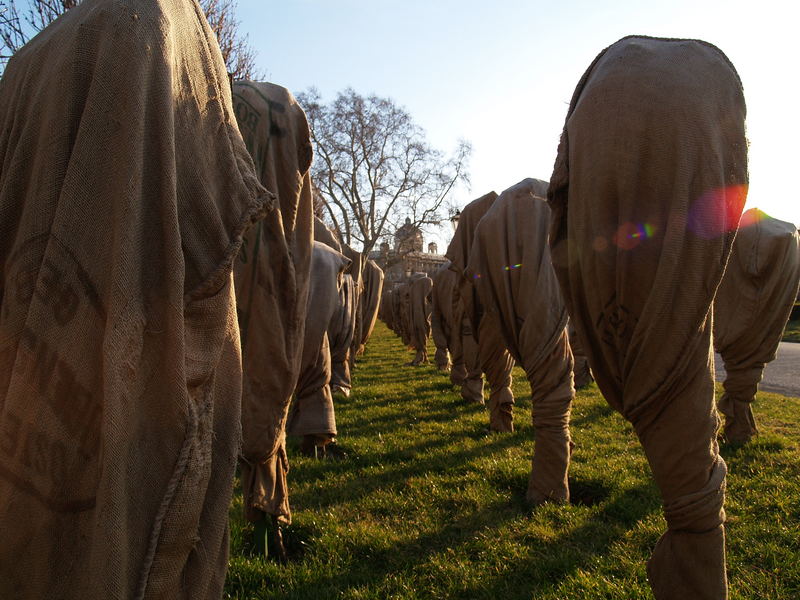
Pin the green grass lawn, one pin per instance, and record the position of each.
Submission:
(430, 505)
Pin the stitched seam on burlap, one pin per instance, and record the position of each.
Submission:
(177, 475)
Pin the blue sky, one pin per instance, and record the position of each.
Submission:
(500, 74)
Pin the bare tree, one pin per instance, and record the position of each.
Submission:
(239, 55)
(374, 168)
(18, 25)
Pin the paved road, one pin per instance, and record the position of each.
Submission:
(782, 375)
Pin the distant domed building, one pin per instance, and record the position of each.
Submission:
(408, 238)
(407, 256)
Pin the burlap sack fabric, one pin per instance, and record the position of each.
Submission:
(312, 411)
(472, 382)
(511, 270)
(459, 249)
(479, 337)
(341, 331)
(126, 188)
(397, 313)
(496, 363)
(751, 308)
(406, 319)
(420, 288)
(646, 194)
(370, 300)
(356, 272)
(342, 326)
(271, 276)
(443, 327)
(323, 234)
(581, 371)
(385, 311)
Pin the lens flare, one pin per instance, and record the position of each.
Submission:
(717, 212)
(509, 267)
(629, 235)
(751, 217)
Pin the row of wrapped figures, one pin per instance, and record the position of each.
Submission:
(198, 301)
(307, 304)
(143, 355)
(640, 272)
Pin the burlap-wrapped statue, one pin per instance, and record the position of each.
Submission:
(441, 301)
(271, 276)
(753, 303)
(511, 270)
(472, 382)
(312, 413)
(480, 338)
(342, 324)
(419, 316)
(446, 331)
(646, 194)
(385, 312)
(341, 331)
(356, 272)
(126, 189)
(403, 307)
(398, 313)
(372, 278)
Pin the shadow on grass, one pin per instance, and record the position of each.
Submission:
(398, 419)
(398, 465)
(553, 560)
(588, 492)
(545, 565)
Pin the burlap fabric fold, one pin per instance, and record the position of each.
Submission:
(125, 191)
(341, 331)
(511, 270)
(496, 363)
(385, 311)
(444, 329)
(312, 411)
(342, 324)
(490, 352)
(398, 314)
(472, 382)
(646, 193)
(356, 272)
(322, 233)
(406, 314)
(459, 249)
(372, 277)
(581, 371)
(271, 276)
(419, 290)
(751, 308)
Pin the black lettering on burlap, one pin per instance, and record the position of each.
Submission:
(70, 401)
(46, 459)
(60, 285)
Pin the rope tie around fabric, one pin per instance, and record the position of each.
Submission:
(280, 443)
(700, 511)
(742, 383)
